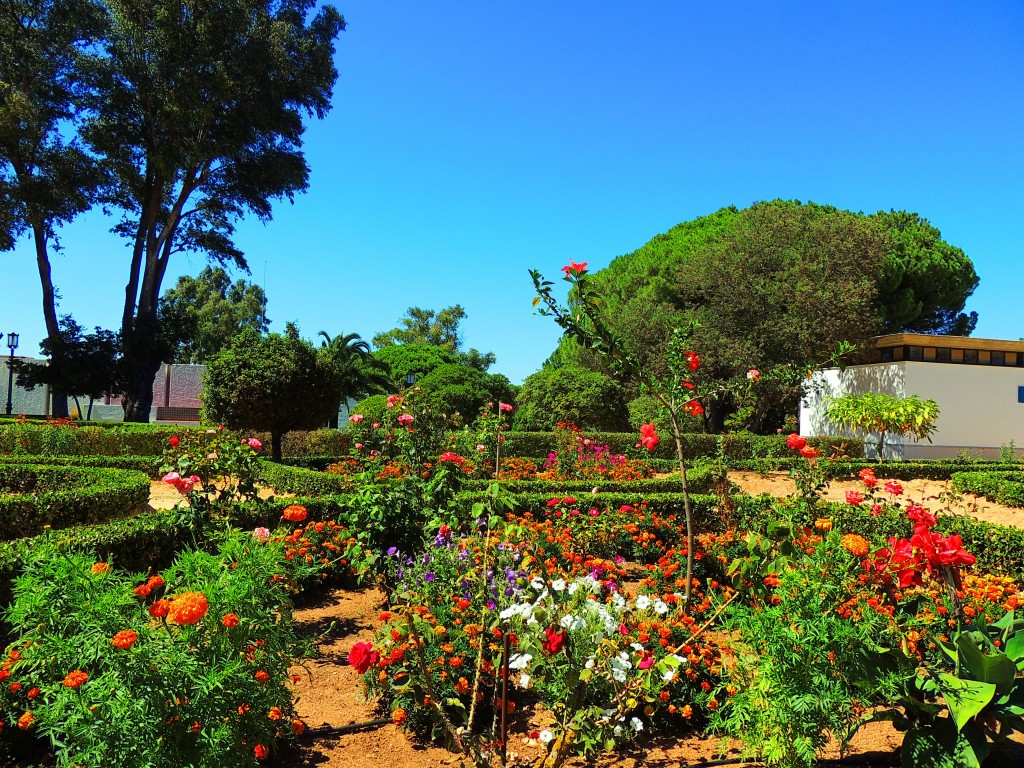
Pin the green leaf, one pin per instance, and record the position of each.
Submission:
(994, 668)
(964, 698)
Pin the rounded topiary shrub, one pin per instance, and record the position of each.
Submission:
(588, 399)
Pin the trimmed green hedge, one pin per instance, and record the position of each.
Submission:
(301, 481)
(699, 479)
(148, 464)
(34, 496)
(1002, 487)
(887, 470)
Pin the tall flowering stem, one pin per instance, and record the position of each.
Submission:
(583, 321)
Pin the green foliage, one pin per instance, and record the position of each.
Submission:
(193, 690)
(802, 671)
(361, 374)
(34, 497)
(304, 481)
(275, 383)
(419, 359)
(588, 399)
(435, 329)
(215, 310)
(820, 275)
(79, 365)
(925, 280)
(885, 414)
(1005, 487)
(460, 392)
(645, 409)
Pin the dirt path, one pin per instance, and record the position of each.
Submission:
(933, 494)
(164, 495)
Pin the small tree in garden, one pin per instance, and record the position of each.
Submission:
(274, 383)
(877, 412)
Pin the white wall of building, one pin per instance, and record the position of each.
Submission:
(978, 404)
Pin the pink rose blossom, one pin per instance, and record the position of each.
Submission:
(171, 477)
(481, 448)
(255, 444)
(405, 419)
(504, 407)
(753, 374)
(355, 418)
(261, 534)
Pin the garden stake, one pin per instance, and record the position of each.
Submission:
(504, 699)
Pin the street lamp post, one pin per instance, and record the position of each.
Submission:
(12, 344)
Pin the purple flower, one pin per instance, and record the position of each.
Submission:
(392, 551)
(428, 577)
(491, 605)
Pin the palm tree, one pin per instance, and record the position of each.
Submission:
(361, 374)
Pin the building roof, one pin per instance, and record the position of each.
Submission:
(947, 342)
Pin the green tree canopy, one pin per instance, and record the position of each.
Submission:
(589, 399)
(460, 392)
(216, 310)
(419, 359)
(780, 283)
(274, 383)
(46, 177)
(360, 373)
(88, 364)
(198, 110)
(437, 329)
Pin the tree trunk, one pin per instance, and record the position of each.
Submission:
(275, 446)
(59, 408)
(138, 400)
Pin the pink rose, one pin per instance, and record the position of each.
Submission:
(481, 448)
(172, 478)
(255, 444)
(504, 407)
(359, 446)
(355, 418)
(405, 419)
(753, 374)
(261, 534)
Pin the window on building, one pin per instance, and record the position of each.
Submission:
(885, 355)
(971, 356)
(942, 355)
(997, 358)
(913, 353)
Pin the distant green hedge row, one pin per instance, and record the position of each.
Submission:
(148, 464)
(699, 480)
(1002, 487)
(888, 470)
(34, 497)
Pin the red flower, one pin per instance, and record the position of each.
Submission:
(159, 609)
(648, 437)
(261, 676)
(575, 269)
(693, 360)
(867, 476)
(173, 441)
(362, 657)
(261, 752)
(795, 442)
(854, 497)
(920, 515)
(693, 408)
(230, 620)
(555, 639)
(405, 419)
(894, 487)
(808, 453)
(188, 608)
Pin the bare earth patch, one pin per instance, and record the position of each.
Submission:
(933, 494)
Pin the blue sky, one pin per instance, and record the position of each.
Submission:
(470, 142)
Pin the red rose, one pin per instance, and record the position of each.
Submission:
(853, 497)
(808, 453)
(555, 639)
(173, 441)
(795, 442)
(362, 657)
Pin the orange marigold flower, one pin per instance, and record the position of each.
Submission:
(143, 590)
(75, 679)
(275, 713)
(159, 609)
(261, 752)
(261, 676)
(298, 727)
(14, 687)
(25, 721)
(32, 693)
(856, 544)
(399, 716)
(155, 582)
(823, 524)
(124, 639)
(188, 608)
(100, 568)
(295, 513)
(230, 620)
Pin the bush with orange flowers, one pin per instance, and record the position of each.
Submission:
(200, 689)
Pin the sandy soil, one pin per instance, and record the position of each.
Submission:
(933, 494)
(164, 496)
(329, 694)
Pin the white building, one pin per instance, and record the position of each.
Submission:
(977, 383)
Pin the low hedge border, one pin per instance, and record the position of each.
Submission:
(148, 464)
(888, 470)
(66, 496)
(699, 480)
(303, 482)
(1001, 487)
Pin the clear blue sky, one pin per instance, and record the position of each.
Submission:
(471, 141)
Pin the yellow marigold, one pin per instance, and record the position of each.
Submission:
(398, 716)
(188, 608)
(124, 639)
(25, 721)
(856, 544)
(75, 679)
(823, 523)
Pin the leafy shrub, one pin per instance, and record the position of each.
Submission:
(587, 398)
(34, 496)
(206, 685)
(148, 464)
(303, 482)
(1001, 487)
